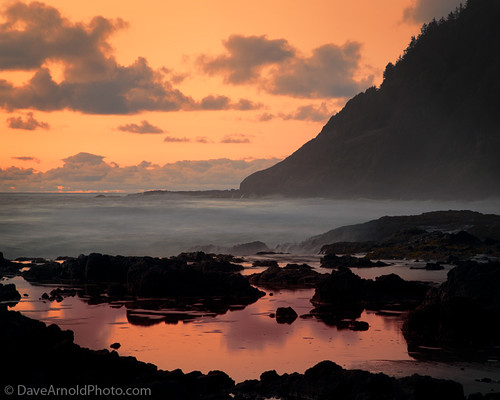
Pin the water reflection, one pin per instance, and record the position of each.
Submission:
(243, 343)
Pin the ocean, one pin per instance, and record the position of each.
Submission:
(57, 224)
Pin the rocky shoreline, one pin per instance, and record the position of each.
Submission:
(339, 299)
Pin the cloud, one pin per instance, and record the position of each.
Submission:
(85, 171)
(236, 138)
(144, 127)
(425, 10)
(172, 139)
(214, 103)
(308, 112)
(224, 103)
(35, 35)
(266, 117)
(13, 174)
(329, 72)
(29, 123)
(245, 58)
(175, 139)
(26, 158)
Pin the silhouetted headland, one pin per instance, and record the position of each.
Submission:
(430, 131)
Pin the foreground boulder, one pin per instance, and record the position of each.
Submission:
(461, 315)
(344, 295)
(328, 381)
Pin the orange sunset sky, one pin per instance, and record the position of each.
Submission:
(125, 95)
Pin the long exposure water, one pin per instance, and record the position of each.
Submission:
(51, 225)
(243, 342)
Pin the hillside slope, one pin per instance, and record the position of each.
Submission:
(484, 226)
(432, 129)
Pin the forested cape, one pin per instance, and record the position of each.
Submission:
(430, 131)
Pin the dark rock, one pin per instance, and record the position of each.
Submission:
(115, 346)
(328, 380)
(413, 236)
(60, 293)
(337, 316)
(285, 315)
(45, 273)
(462, 315)
(8, 268)
(338, 297)
(265, 263)
(433, 267)
(344, 295)
(359, 326)
(9, 294)
(342, 289)
(393, 293)
(117, 291)
(330, 260)
(291, 276)
(212, 262)
(189, 276)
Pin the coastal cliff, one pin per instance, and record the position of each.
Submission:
(431, 130)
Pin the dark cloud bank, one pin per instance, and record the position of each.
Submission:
(94, 82)
(278, 68)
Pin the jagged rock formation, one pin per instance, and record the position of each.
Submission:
(184, 279)
(432, 129)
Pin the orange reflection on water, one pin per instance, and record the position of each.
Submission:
(248, 342)
(242, 343)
